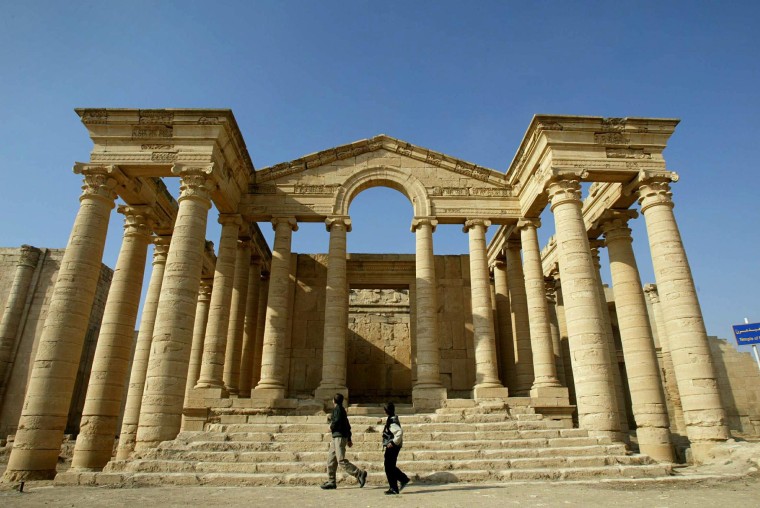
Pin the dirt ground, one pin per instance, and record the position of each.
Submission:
(728, 493)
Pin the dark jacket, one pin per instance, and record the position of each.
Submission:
(392, 432)
(339, 425)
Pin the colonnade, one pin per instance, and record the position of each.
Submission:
(583, 319)
(224, 336)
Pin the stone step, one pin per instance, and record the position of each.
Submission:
(375, 437)
(268, 479)
(301, 428)
(535, 443)
(452, 417)
(411, 466)
(377, 455)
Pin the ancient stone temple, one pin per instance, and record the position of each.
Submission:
(510, 335)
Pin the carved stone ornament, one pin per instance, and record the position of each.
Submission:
(156, 116)
(528, 223)
(338, 220)
(29, 256)
(205, 289)
(291, 221)
(196, 183)
(418, 222)
(472, 223)
(654, 193)
(98, 183)
(564, 190)
(152, 131)
(651, 291)
(95, 116)
(160, 248)
(230, 218)
(138, 220)
(614, 224)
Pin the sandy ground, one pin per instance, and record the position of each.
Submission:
(729, 493)
(731, 479)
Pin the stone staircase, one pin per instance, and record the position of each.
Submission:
(464, 444)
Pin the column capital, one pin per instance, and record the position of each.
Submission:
(651, 291)
(472, 223)
(528, 223)
(595, 245)
(291, 221)
(205, 289)
(160, 249)
(138, 220)
(614, 224)
(513, 243)
(417, 222)
(244, 243)
(339, 220)
(500, 262)
(29, 256)
(230, 218)
(196, 182)
(564, 188)
(99, 181)
(554, 272)
(653, 188)
(550, 286)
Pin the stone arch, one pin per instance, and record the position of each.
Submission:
(394, 178)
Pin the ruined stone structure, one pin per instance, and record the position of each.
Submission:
(250, 331)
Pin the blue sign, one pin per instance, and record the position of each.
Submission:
(747, 334)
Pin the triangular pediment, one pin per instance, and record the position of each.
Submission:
(378, 143)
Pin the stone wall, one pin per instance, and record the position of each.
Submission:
(38, 302)
(739, 384)
(381, 335)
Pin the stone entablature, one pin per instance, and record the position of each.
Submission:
(324, 184)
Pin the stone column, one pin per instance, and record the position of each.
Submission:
(261, 316)
(649, 410)
(234, 350)
(673, 398)
(336, 313)
(199, 334)
(545, 382)
(551, 303)
(164, 393)
(427, 392)
(131, 418)
(14, 308)
(215, 343)
(94, 445)
(486, 365)
(520, 322)
(51, 384)
(595, 397)
(504, 321)
(271, 386)
(697, 383)
(249, 328)
(611, 347)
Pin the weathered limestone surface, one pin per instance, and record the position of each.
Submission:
(238, 308)
(249, 327)
(504, 324)
(520, 320)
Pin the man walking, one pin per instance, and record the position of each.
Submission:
(341, 436)
(393, 440)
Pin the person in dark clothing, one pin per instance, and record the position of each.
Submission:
(393, 440)
(340, 430)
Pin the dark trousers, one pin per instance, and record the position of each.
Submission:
(393, 473)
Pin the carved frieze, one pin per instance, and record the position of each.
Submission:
(611, 138)
(208, 120)
(628, 153)
(470, 191)
(163, 156)
(152, 131)
(263, 189)
(316, 189)
(156, 117)
(95, 116)
(156, 147)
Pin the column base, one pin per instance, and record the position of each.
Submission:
(207, 392)
(268, 393)
(551, 392)
(489, 392)
(194, 419)
(428, 397)
(699, 452)
(326, 394)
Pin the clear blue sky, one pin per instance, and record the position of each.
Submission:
(459, 77)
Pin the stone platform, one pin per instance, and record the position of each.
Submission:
(475, 444)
